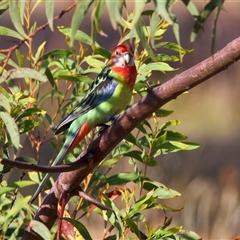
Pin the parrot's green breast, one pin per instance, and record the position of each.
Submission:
(113, 106)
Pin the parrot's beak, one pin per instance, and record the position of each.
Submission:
(127, 58)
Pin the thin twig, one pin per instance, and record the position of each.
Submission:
(44, 168)
(10, 50)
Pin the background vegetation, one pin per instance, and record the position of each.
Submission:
(207, 178)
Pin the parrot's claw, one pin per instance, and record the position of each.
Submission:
(148, 86)
(103, 128)
(114, 118)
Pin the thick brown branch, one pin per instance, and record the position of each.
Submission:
(99, 148)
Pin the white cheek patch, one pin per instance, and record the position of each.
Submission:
(119, 62)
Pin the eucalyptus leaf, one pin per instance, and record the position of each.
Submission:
(121, 178)
(15, 185)
(4, 31)
(5, 103)
(11, 128)
(23, 73)
(39, 228)
(80, 227)
(79, 14)
(49, 10)
(15, 17)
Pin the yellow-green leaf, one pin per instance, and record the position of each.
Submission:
(49, 10)
(11, 128)
(15, 17)
(4, 31)
(82, 7)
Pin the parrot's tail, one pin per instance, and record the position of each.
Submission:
(83, 131)
(67, 148)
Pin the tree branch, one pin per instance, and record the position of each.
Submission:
(39, 168)
(103, 145)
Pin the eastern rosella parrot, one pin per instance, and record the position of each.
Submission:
(107, 96)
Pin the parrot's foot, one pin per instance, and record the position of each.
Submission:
(103, 128)
(148, 86)
(114, 118)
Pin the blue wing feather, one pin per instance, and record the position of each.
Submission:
(100, 91)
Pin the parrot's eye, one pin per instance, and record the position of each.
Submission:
(118, 53)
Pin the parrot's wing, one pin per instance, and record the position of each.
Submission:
(100, 91)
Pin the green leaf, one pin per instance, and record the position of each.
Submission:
(141, 128)
(156, 66)
(22, 4)
(184, 145)
(120, 150)
(4, 31)
(145, 141)
(15, 185)
(26, 125)
(139, 155)
(138, 8)
(79, 14)
(15, 17)
(35, 177)
(170, 123)
(139, 29)
(3, 7)
(51, 94)
(214, 30)
(39, 52)
(163, 113)
(103, 52)
(114, 14)
(187, 235)
(121, 178)
(4, 102)
(10, 61)
(133, 226)
(49, 10)
(163, 7)
(80, 227)
(55, 54)
(50, 77)
(191, 7)
(160, 139)
(75, 78)
(12, 213)
(153, 26)
(19, 58)
(93, 62)
(164, 234)
(175, 136)
(173, 46)
(11, 128)
(79, 35)
(143, 203)
(40, 228)
(110, 162)
(163, 10)
(30, 112)
(160, 190)
(203, 16)
(23, 73)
